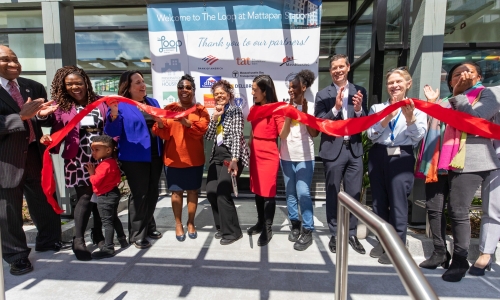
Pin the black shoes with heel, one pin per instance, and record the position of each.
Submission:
(440, 257)
(475, 271)
(80, 249)
(458, 267)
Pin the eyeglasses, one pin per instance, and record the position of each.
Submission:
(185, 87)
(403, 68)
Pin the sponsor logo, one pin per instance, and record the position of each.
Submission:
(169, 46)
(239, 100)
(289, 78)
(241, 74)
(210, 59)
(169, 97)
(208, 81)
(242, 85)
(173, 66)
(208, 101)
(289, 61)
(169, 81)
(247, 61)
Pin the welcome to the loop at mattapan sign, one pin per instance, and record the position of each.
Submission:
(235, 41)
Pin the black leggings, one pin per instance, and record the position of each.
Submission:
(83, 209)
(108, 208)
(436, 196)
(463, 186)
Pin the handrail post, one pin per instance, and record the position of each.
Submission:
(342, 252)
(2, 282)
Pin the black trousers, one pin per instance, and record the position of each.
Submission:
(463, 186)
(391, 181)
(143, 179)
(219, 189)
(350, 169)
(47, 222)
(436, 196)
(83, 209)
(108, 208)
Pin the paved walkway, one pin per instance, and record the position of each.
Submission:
(203, 269)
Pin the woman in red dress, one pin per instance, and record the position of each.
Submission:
(264, 159)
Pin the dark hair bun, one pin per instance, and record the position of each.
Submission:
(306, 77)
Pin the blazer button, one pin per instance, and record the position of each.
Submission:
(27, 137)
(25, 151)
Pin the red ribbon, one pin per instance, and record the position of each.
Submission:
(48, 182)
(460, 120)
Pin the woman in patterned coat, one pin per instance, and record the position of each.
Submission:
(229, 156)
(72, 91)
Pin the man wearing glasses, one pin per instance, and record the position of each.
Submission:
(342, 156)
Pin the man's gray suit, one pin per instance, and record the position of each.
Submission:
(341, 161)
(20, 173)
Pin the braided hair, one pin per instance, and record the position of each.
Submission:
(58, 88)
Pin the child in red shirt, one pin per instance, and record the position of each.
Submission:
(105, 179)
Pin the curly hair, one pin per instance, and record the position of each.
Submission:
(306, 77)
(58, 88)
(226, 86)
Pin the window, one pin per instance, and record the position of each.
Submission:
(21, 19)
(130, 16)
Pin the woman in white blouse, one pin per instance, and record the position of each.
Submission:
(297, 164)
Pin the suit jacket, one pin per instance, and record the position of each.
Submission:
(130, 126)
(14, 133)
(330, 146)
(72, 140)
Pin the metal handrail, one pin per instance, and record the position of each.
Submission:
(413, 280)
(2, 283)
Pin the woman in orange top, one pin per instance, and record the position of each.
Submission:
(184, 154)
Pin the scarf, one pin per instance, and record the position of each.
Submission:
(453, 150)
(428, 156)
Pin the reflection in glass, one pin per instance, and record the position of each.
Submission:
(108, 85)
(361, 76)
(472, 21)
(21, 19)
(334, 11)
(127, 50)
(28, 48)
(363, 40)
(38, 78)
(488, 60)
(393, 23)
(367, 14)
(130, 16)
(333, 40)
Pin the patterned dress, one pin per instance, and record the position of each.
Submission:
(76, 174)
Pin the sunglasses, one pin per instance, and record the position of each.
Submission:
(185, 87)
(404, 68)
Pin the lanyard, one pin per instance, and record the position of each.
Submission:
(392, 126)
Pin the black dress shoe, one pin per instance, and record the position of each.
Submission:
(332, 245)
(225, 241)
(60, 245)
(21, 266)
(155, 235)
(142, 244)
(356, 245)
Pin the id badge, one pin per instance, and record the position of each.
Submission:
(87, 121)
(220, 139)
(393, 151)
(94, 198)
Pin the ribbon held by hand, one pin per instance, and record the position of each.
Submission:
(461, 121)
(48, 182)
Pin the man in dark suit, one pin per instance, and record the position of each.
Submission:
(21, 165)
(342, 156)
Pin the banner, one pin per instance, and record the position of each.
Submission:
(235, 41)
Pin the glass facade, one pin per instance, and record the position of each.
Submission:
(112, 39)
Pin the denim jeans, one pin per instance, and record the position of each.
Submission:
(298, 178)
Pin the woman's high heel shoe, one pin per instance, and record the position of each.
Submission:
(438, 258)
(475, 271)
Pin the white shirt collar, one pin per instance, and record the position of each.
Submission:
(338, 87)
(4, 82)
